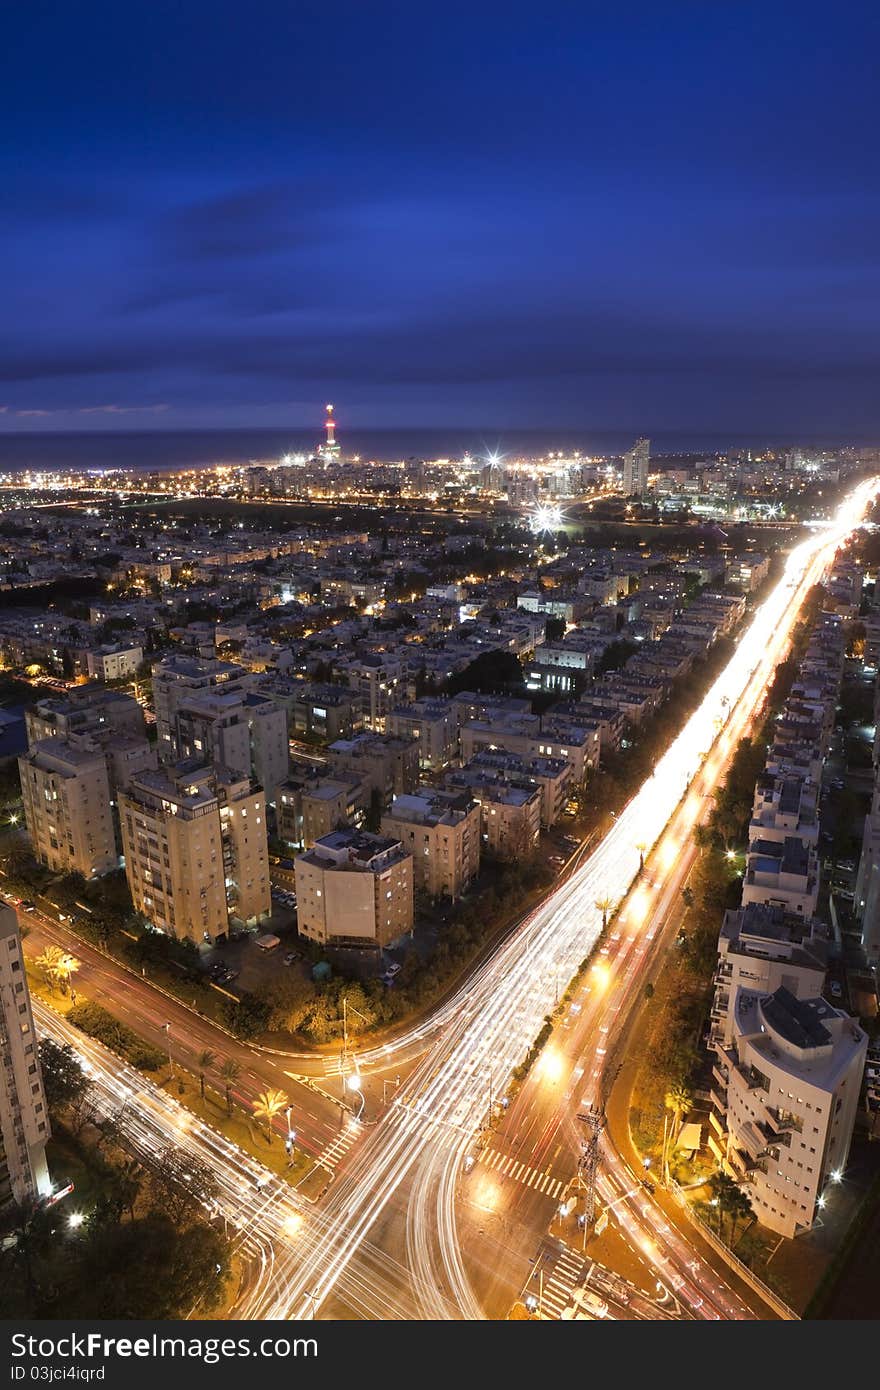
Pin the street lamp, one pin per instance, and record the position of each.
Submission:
(354, 1084)
(167, 1029)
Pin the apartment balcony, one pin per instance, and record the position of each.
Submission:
(717, 1123)
(719, 1100)
(720, 1073)
(739, 1164)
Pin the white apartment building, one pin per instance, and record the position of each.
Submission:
(574, 745)
(196, 855)
(792, 1078)
(441, 830)
(636, 463)
(761, 948)
(379, 681)
(354, 889)
(783, 873)
(785, 806)
(66, 795)
(114, 663)
(24, 1116)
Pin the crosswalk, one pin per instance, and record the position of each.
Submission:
(337, 1148)
(521, 1172)
(556, 1289)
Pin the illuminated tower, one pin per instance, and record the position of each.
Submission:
(330, 449)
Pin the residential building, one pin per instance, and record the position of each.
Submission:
(788, 1095)
(784, 873)
(331, 804)
(355, 889)
(636, 463)
(195, 848)
(510, 810)
(390, 765)
(441, 830)
(86, 709)
(434, 723)
(66, 796)
(761, 948)
(114, 662)
(209, 711)
(24, 1116)
(785, 806)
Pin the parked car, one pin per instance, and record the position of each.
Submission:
(27, 906)
(835, 990)
(291, 957)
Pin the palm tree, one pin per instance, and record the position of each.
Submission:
(229, 1071)
(58, 965)
(641, 846)
(603, 905)
(679, 1101)
(269, 1104)
(731, 1201)
(206, 1060)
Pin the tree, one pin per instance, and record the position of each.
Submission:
(730, 1201)
(181, 1182)
(679, 1101)
(206, 1061)
(269, 1104)
(58, 966)
(64, 1080)
(247, 1017)
(229, 1071)
(149, 1269)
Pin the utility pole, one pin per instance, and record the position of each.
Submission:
(588, 1165)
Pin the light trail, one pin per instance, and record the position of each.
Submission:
(500, 1012)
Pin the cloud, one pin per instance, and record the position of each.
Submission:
(122, 409)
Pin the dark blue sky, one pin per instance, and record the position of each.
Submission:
(653, 217)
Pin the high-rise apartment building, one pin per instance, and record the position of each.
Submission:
(789, 1088)
(354, 889)
(24, 1117)
(66, 795)
(196, 855)
(86, 709)
(441, 830)
(636, 463)
(209, 711)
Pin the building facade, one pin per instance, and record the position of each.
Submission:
(196, 855)
(65, 791)
(24, 1116)
(441, 830)
(355, 889)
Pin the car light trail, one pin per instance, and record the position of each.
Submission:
(498, 1014)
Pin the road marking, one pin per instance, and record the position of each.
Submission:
(520, 1172)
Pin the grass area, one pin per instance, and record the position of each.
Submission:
(238, 1127)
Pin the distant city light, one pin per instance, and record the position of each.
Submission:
(545, 518)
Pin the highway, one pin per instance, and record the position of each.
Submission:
(418, 1150)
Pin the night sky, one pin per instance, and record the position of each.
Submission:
(644, 217)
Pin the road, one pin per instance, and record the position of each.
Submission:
(320, 1122)
(414, 1157)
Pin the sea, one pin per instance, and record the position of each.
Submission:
(161, 450)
